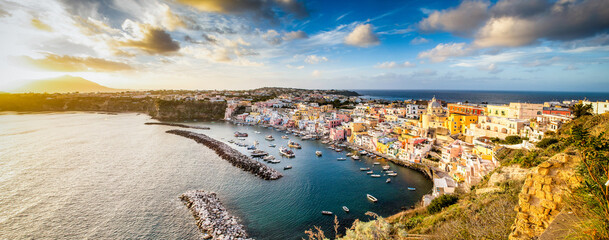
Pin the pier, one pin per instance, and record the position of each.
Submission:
(231, 155)
(176, 125)
(211, 217)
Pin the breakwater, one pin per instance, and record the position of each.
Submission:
(176, 125)
(211, 217)
(231, 155)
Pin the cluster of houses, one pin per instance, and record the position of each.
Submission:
(453, 137)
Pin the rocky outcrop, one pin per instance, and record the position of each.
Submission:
(211, 217)
(542, 196)
(231, 155)
(502, 174)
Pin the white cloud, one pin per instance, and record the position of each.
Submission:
(419, 40)
(314, 59)
(272, 37)
(295, 35)
(395, 65)
(362, 36)
(444, 51)
(461, 20)
(295, 67)
(316, 73)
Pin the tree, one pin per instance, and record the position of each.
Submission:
(581, 109)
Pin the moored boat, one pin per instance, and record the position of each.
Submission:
(364, 169)
(286, 152)
(341, 159)
(388, 180)
(318, 153)
(370, 172)
(275, 161)
(355, 157)
(392, 174)
(268, 158)
(285, 137)
(376, 163)
(293, 145)
(375, 175)
(259, 153)
(386, 167)
(240, 134)
(272, 145)
(287, 167)
(345, 208)
(326, 213)
(371, 198)
(412, 189)
(269, 138)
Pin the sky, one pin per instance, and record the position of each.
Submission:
(533, 45)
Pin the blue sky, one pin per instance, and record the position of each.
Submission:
(543, 45)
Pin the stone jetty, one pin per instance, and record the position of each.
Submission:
(176, 125)
(231, 155)
(211, 217)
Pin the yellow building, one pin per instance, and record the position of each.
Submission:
(498, 110)
(435, 115)
(458, 123)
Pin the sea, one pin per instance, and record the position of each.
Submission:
(490, 97)
(76, 175)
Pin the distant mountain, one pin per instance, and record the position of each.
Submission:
(64, 84)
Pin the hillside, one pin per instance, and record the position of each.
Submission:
(554, 192)
(63, 84)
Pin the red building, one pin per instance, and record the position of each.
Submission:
(557, 111)
(466, 109)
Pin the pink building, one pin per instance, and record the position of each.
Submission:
(343, 117)
(337, 134)
(333, 123)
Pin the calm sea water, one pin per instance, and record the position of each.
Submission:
(492, 97)
(97, 176)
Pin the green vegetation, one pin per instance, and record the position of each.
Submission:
(546, 142)
(509, 140)
(581, 109)
(441, 202)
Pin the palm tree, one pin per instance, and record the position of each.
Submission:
(581, 109)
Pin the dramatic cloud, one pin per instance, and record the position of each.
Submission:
(443, 51)
(462, 20)
(395, 65)
(40, 25)
(362, 36)
(263, 8)
(314, 59)
(57, 63)
(295, 35)
(273, 37)
(150, 39)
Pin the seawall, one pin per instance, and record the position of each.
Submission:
(231, 155)
(176, 125)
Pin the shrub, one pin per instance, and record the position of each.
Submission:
(511, 140)
(546, 142)
(441, 202)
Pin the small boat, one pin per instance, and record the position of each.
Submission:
(386, 167)
(412, 189)
(388, 180)
(294, 145)
(240, 134)
(275, 161)
(272, 145)
(371, 198)
(259, 153)
(363, 152)
(286, 152)
(285, 137)
(287, 167)
(375, 175)
(326, 213)
(341, 159)
(355, 157)
(269, 138)
(256, 132)
(268, 158)
(349, 154)
(346, 209)
(252, 147)
(330, 147)
(370, 172)
(318, 153)
(338, 150)
(392, 174)
(364, 169)
(376, 163)
(306, 138)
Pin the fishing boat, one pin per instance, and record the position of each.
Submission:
(286, 152)
(338, 150)
(369, 172)
(294, 145)
(392, 174)
(318, 153)
(364, 169)
(412, 189)
(363, 152)
(285, 137)
(287, 167)
(326, 213)
(376, 163)
(240, 134)
(355, 157)
(386, 167)
(349, 154)
(375, 175)
(268, 158)
(346, 209)
(275, 161)
(269, 138)
(388, 180)
(307, 137)
(371, 198)
(341, 159)
(259, 153)
(272, 145)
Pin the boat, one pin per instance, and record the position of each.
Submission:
(268, 158)
(338, 150)
(371, 198)
(269, 138)
(287, 167)
(412, 189)
(256, 132)
(318, 153)
(349, 154)
(386, 167)
(326, 213)
(363, 152)
(306, 138)
(341, 159)
(294, 145)
(392, 174)
(275, 161)
(364, 169)
(375, 175)
(286, 152)
(259, 153)
(376, 163)
(354, 157)
(252, 147)
(369, 172)
(240, 134)
(272, 145)
(345, 208)
(285, 137)
(388, 180)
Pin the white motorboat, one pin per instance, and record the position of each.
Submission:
(287, 167)
(371, 198)
(375, 175)
(318, 153)
(268, 158)
(386, 167)
(388, 180)
(370, 172)
(326, 213)
(355, 157)
(272, 145)
(392, 174)
(364, 169)
(269, 138)
(341, 159)
(376, 163)
(345, 209)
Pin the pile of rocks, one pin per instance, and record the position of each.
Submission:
(176, 125)
(235, 157)
(212, 218)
